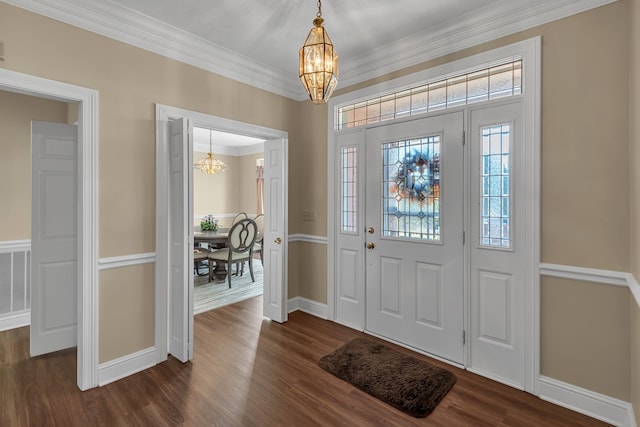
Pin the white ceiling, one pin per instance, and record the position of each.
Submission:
(257, 41)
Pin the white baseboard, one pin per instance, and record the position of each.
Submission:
(308, 306)
(15, 320)
(587, 402)
(127, 365)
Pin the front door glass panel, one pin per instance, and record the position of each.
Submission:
(411, 189)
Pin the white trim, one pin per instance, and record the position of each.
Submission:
(15, 320)
(308, 306)
(9, 246)
(634, 287)
(308, 238)
(121, 23)
(126, 260)
(88, 333)
(584, 274)
(130, 364)
(587, 402)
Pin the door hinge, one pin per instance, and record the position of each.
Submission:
(464, 337)
(464, 237)
(464, 138)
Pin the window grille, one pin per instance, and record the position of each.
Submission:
(349, 189)
(489, 83)
(496, 188)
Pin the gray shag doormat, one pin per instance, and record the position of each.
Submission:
(404, 382)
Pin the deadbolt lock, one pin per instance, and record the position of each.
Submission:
(371, 230)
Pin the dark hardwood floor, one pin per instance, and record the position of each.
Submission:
(247, 371)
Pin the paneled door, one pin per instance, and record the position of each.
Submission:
(180, 240)
(54, 237)
(275, 244)
(414, 234)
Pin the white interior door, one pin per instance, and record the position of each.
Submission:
(275, 230)
(180, 240)
(414, 220)
(54, 237)
(497, 241)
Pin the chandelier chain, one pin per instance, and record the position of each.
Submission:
(319, 14)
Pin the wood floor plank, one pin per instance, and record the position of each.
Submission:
(247, 371)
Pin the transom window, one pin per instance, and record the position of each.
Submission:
(489, 83)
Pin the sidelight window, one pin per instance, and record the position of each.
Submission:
(496, 186)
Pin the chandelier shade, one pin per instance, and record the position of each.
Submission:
(318, 63)
(209, 164)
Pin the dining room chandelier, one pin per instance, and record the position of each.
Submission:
(318, 62)
(209, 164)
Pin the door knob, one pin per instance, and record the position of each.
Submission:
(370, 245)
(278, 240)
(371, 230)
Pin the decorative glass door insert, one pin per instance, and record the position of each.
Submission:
(411, 188)
(496, 188)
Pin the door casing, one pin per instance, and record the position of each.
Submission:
(165, 113)
(87, 199)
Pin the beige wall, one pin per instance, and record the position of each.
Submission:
(228, 192)
(585, 330)
(634, 160)
(16, 113)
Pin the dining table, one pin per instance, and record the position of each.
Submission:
(215, 240)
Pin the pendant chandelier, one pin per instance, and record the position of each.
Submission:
(318, 62)
(209, 165)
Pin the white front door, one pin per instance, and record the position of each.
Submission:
(497, 243)
(275, 246)
(180, 240)
(54, 237)
(414, 239)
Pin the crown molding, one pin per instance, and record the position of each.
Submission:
(470, 30)
(128, 26)
(131, 27)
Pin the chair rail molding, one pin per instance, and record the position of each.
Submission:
(593, 275)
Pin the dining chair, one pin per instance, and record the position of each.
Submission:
(257, 247)
(239, 216)
(240, 241)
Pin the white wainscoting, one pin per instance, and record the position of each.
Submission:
(15, 284)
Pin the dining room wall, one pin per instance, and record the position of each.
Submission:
(227, 193)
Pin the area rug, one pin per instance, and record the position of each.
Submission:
(404, 382)
(211, 295)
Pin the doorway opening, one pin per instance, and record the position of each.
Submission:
(174, 223)
(219, 198)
